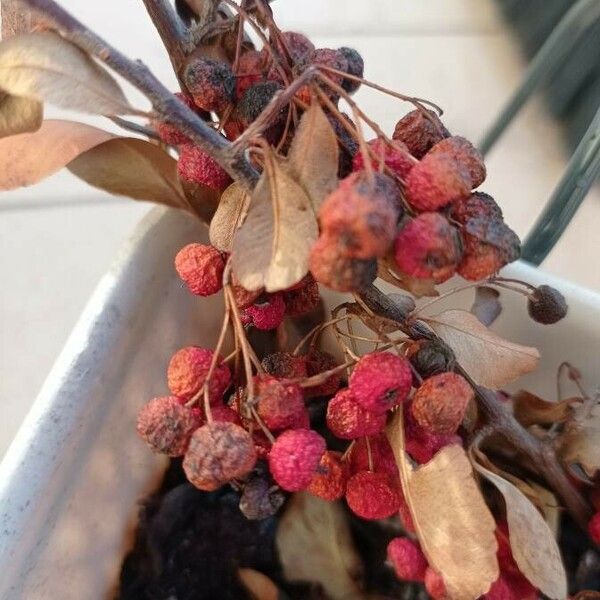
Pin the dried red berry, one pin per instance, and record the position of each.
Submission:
(407, 558)
(284, 365)
(196, 166)
(397, 158)
(218, 453)
(466, 154)
(428, 247)
(318, 361)
(329, 480)
(166, 426)
(294, 45)
(380, 381)
(243, 298)
(210, 82)
(440, 403)
(437, 180)
(434, 584)
(249, 71)
(420, 131)
(303, 300)
(594, 528)
(334, 59)
(356, 67)
(225, 414)
(259, 500)
(347, 419)
(280, 402)
(382, 456)
(255, 100)
(294, 458)
(187, 373)
(547, 305)
(372, 495)
(168, 133)
(201, 268)
(268, 314)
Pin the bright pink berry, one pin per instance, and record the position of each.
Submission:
(196, 166)
(280, 402)
(380, 381)
(594, 528)
(397, 158)
(434, 584)
(347, 419)
(269, 314)
(201, 268)
(294, 458)
(407, 558)
(382, 456)
(372, 495)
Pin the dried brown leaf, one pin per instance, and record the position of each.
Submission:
(489, 359)
(533, 546)
(230, 214)
(272, 246)
(17, 19)
(45, 67)
(134, 168)
(203, 200)
(259, 585)
(486, 306)
(19, 115)
(419, 288)
(315, 545)
(530, 409)
(28, 158)
(579, 442)
(453, 523)
(314, 155)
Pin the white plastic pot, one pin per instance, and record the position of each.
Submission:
(71, 481)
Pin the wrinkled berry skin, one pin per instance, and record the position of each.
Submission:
(440, 403)
(284, 365)
(465, 153)
(225, 414)
(317, 361)
(294, 45)
(201, 268)
(249, 71)
(372, 495)
(269, 314)
(187, 373)
(547, 305)
(429, 357)
(255, 100)
(166, 425)
(407, 559)
(428, 247)
(196, 166)
(356, 67)
(259, 500)
(331, 266)
(210, 82)
(280, 402)
(302, 300)
(380, 381)
(334, 59)
(218, 453)
(294, 458)
(329, 480)
(397, 158)
(382, 456)
(348, 420)
(419, 132)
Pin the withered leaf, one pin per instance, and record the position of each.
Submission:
(315, 545)
(45, 67)
(314, 155)
(19, 115)
(530, 409)
(272, 246)
(16, 18)
(486, 306)
(203, 200)
(453, 523)
(533, 546)
(134, 168)
(419, 288)
(259, 585)
(230, 214)
(579, 441)
(489, 359)
(28, 158)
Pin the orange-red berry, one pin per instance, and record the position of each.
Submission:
(249, 71)
(466, 154)
(347, 419)
(329, 480)
(396, 157)
(196, 166)
(201, 268)
(280, 402)
(268, 314)
(372, 495)
(434, 584)
(381, 456)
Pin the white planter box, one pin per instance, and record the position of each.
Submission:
(70, 482)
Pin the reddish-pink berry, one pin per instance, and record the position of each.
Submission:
(201, 268)
(396, 157)
(434, 584)
(380, 381)
(268, 314)
(225, 414)
(249, 71)
(329, 480)
(210, 82)
(196, 166)
(347, 419)
(382, 456)
(407, 559)
(372, 495)
(280, 402)
(466, 154)
(594, 528)
(284, 365)
(294, 458)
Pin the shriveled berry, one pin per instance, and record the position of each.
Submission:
(547, 305)
(255, 100)
(429, 357)
(249, 71)
(428, 247)
(210, 82)
(329, 480)
(303, 300)
(243, 298)
(294, 45)
(478, 205)
(380, 381)
(187, 373)
(331, 266)
(347, 144)
(318, 361)
(201, 268)
(347, 419)
(437, 180)
(440, 403)
(225, 414)
(382, 456)
(372, 495)
(284, 365)
(466, 154)
(356, 67)
(397, 158)
(268, 314)
(434, 584)
(259, 500)
(166, 425)
(280, 402)
(407, 559)
(294, 458)
(334, 59)
(479, 260)
(196, 166)
(218, 453)
(594, 528)
(362, 214)
(420, 131)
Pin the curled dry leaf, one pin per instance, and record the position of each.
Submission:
(531, 540)
(489, 359)
(579, 440)
(272, 246)
(259, 585)
(19, 115)
(28, 158)
(530, 409)
(453, 523)
(314, 155)
(230, 214)
(419, 288)
(47, 68)
(134, 168)
(315, 544)
(486, 306)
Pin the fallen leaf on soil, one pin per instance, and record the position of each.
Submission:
(486, 306)
(259, 585)
(453, 523)
(579, 442)
(272, 246)
(315, 545)
(489, 359)
(230, 214)
(530, 409)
